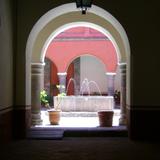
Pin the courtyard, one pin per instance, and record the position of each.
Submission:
(77, 119)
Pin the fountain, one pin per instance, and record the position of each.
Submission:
(69, 82)
(96, 85)
(85, 83)
(85, 103)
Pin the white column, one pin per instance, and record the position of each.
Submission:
(62, 81)
(37, 82)
(110, 83)
(123, 120)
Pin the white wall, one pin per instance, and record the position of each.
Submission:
(93, 69)
(6, 51)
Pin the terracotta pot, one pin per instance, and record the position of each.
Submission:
(105, 118)
(54, 117)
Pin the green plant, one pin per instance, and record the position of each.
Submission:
(60, 86)
(44, 98)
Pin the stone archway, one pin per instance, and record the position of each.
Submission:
(57, 20)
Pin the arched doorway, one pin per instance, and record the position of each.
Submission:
(91, 68)
(62, 18)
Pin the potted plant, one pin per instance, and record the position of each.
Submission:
(105, 118)
(54, 114)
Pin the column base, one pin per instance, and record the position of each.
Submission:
(122, 121)
(36, 122)
(36, 119)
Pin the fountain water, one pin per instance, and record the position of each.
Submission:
(85, 83)
(96, 85)
(85, 86)
(83, 103)
(75, 85)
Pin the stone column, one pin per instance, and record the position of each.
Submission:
(110, 83)
(123, 120)
(37, 80)
(62, 81)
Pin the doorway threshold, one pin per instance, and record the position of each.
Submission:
(80, 124)
(62, 132)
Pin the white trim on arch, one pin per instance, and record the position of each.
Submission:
(79, 24)
(69, 8)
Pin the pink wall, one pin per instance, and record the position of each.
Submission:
(81, 32)
(63, 52)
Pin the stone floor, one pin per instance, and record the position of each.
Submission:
(84, 148)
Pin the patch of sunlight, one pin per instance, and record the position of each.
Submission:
(79, 121)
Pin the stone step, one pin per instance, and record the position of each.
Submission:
(59, 133)
(119, 131)
(45, 133)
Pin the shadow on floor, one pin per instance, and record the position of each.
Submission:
(91, 148)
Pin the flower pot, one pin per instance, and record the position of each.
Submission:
(105, 118)
(54, 116)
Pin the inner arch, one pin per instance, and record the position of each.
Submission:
(79, 24)
(82, 41)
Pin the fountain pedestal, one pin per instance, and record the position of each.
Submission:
(85, 103)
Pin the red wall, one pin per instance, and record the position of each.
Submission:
(74, 43)
(62, 53)
(70, 74)
(54, 80)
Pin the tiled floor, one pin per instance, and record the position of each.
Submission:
(80, 120)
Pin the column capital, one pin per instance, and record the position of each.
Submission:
(37, 68)
(122, 65)
(110, 73)
(62, 73)
(37, 64)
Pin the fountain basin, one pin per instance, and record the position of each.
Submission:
(84, 103)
